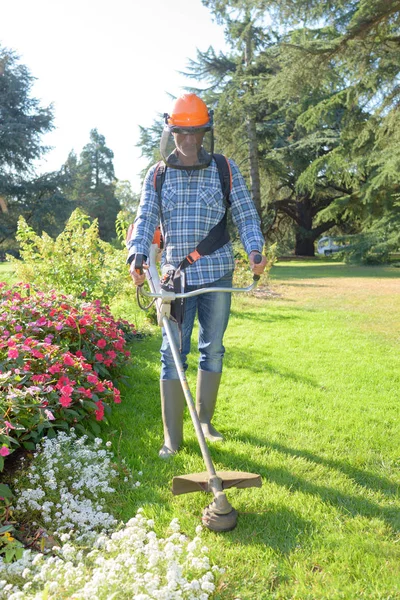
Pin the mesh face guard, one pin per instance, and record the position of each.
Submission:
(187, 148)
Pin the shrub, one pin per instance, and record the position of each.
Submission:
(77, 262)
(57, 357)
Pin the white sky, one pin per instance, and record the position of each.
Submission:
(106, 64)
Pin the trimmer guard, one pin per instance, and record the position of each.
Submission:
(199, 482)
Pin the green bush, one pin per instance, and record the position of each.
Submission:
(77, 262)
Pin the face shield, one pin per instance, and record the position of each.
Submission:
(187, 147)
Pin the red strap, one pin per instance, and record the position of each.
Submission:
(193, 256)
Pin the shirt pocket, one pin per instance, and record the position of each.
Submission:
(212, 198)
(169, 199)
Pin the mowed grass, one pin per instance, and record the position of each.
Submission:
(310, 400)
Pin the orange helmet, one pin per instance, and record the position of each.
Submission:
(189, 111)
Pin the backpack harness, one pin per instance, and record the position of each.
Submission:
(217, 237)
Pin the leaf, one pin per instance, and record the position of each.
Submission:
(51, 433)
(6, 528)
(29, 445)
(5, 492)
(95, 427)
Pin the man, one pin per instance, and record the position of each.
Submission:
(191, 205)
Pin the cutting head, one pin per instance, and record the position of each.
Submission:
(199, 482)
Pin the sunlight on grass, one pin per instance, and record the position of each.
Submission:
(310, 400)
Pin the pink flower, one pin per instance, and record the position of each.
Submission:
(8, 426)
(65, 401)
(68, 360)
(99, 357)
(13, 353)
(49, 415)
(101, 343)
(100, 411)
(117, 396)
(66, 390)
(79, 353)
(37, 354)
(4, 451)
(92, 378)
(85, 392)
(100, 387)
(56, 368)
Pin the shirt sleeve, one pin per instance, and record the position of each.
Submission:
(147, 218)
(244, 213)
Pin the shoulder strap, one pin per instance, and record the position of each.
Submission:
(225, 176)
(159, 177)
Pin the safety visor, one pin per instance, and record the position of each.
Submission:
(187, 147)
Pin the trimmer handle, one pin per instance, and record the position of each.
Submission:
(139, 260)
(257, 259)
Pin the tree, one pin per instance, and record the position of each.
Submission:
(90, 183)
(22, 123)
(345, 57)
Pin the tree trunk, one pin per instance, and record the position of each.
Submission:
(304, 243)
(3, 204)
(254, 168)
(251, 128)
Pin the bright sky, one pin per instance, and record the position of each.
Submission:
(106, 64)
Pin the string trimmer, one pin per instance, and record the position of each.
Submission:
(219, 515)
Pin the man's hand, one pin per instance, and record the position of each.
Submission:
(137, 278)
(257, 268)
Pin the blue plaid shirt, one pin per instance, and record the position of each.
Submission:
(191, 204)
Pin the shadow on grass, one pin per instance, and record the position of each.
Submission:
(283, 272)
(266, 528)
(363, 478)
(264, 316)
(348, 504)
(257, 362)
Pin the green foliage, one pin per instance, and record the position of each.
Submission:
(90, 183)
(57, 357)
(23, 120)
(77, 262)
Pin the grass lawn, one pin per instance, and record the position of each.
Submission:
(6, 272)
(310, 400)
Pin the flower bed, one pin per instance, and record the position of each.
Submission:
(78, 549)
(57, 356)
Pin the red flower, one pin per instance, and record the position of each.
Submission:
(117, 396)
(85, 392)
(101, 343)
(68, 360)
(92, 378)
(65, 401)
(99, 357)
(100, 411)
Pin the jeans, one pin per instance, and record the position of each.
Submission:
(213, 314)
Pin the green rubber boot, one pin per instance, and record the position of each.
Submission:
(206, 398)
(172, 407)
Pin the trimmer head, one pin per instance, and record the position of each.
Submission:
(200, 482)
(219, 515)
